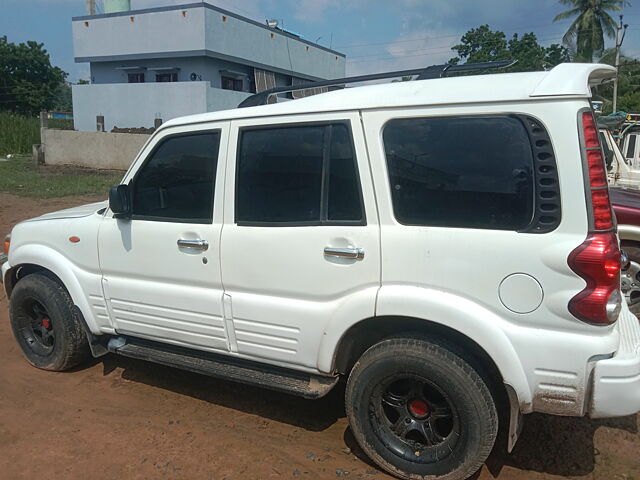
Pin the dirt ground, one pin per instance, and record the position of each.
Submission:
(117, 418)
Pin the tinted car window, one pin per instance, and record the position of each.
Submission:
(281, 176)
(608, 153)
(344, 189)
(473, 172)
(631, 147)
(177, 182)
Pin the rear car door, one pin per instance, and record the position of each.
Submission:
(300, 244)
(161, 268)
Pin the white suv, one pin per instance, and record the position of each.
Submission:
(447, 246)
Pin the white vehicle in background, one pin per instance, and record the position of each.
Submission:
(446, 245)
(631, 146)
(622, 170)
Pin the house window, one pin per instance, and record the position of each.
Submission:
(229, 83)
(167, 77)
(136, 78)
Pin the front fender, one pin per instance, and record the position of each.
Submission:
(71, 276)
(449, 310)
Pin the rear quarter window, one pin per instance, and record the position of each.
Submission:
(468, 172)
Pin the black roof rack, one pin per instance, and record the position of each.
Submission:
(433, 71)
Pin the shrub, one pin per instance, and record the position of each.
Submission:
(18, 133)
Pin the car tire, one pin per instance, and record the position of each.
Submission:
(420, 410)
(46, 324)
(630, 280)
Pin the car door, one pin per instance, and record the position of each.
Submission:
(300, 244)
(161, 269)
(632, 149)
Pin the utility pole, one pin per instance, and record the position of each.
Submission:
(91, 7)
(619, 39)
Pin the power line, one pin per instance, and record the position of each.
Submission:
(446, 48)
(457, 35)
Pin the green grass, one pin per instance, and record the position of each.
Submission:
(19, 176)
(18, 133)
(59, 124)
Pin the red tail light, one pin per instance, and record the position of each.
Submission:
(602, 215)
(597, 260)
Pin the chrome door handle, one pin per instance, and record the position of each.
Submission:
(357, 253)
(195, 244)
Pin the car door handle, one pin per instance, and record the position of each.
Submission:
(195, 244)
(357, 253)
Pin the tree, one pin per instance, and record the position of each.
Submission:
(590, 26)
(526, 50)
(63, 99)
(628, 84)
(556, 54)
(483, 45)
(28, 81)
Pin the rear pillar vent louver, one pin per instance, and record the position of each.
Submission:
(547, 209)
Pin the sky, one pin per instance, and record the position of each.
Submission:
(376, 35)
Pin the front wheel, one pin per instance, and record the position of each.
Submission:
(421, 411)
(46, 325)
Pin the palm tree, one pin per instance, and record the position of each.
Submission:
(589, 28)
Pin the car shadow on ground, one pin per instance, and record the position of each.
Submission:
(312, 415)
(548, 444)
(556, 445)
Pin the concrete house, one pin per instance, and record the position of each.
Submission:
(161, 63)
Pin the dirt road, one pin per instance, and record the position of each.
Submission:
(118, 418)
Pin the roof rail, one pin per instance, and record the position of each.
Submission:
(433, 71)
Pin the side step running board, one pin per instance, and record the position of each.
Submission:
(225, 367)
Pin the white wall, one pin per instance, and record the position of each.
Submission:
(163, 31)
(130, 105)
(199, 30)
(114, 151)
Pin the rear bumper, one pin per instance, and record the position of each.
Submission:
(616, 380)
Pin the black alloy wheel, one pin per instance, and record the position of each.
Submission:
(421, 408)
(35, 326)
(414, 418)
(46, 324)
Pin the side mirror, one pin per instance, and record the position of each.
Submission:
(120, 201)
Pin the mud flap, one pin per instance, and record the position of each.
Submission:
(515, 418)
(97, 343)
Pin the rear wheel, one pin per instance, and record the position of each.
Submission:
(46, 325)
(630, 277)
(421, 411)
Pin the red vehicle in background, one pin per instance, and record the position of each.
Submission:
(626, 205)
